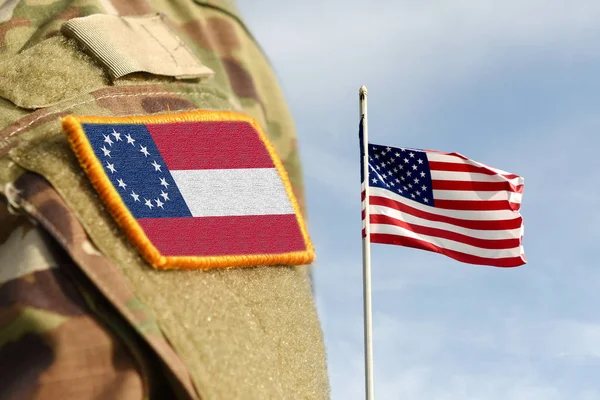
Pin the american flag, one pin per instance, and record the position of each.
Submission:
(445, 203)
(204, 189)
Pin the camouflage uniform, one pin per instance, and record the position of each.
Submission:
(82, 316)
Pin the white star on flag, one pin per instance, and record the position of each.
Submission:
(156, 166)
(117, 135)
(130, 139)
(144, 150)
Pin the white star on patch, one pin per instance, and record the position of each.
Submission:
(148, 203)
(413, 196)
(374, 180)
(426, 200)
(111, 167)
(411, 155)
(159, 203)
(156, 166)
(121, 183)
(136, 197)
(106, 151)
(117, 136)
(422, 174)
(423, 187)
(164, 195)
(108, 140)
(164, 182)
(397, 154)
(420, 161)
(406, 160)
(416, 180)
(144, 150)
(130, 139)
(414, 167)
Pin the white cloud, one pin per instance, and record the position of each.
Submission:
(324, 49)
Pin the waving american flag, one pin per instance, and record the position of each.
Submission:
(445, 203)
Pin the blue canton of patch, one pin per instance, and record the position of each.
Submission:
(137, 171)
(402, 171)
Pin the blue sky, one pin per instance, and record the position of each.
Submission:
(512, 84)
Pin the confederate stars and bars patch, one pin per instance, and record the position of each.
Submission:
(202, 189)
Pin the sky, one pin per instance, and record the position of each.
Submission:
(513, 84)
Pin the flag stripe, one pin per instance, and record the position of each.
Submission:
(476, 195)
(463, 257)
(455, 158)
(491, 244)
(442, 175)
(224, 145)
(489, 225)
(477, 186)
(446, 243)
(515, 233)
(221, 236)
(483, 205)
(455, 214)
(228, 192)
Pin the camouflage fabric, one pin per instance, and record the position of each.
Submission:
(81, 314)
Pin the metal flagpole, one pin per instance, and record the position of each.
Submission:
(366, 249)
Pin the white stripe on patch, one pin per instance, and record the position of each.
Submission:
(230, 192)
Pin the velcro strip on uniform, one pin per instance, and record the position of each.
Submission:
(124, 45)
(194, 190)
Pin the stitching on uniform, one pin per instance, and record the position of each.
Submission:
(96, 99)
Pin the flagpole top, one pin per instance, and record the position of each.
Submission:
(363, 90)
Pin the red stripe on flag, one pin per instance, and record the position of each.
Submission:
(383, 238)
(210, 145)
(476, 205)
(220, 236)
(491, 244)
(476, 186)
(484, 225)
(455, 167)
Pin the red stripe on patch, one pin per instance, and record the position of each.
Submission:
(210, 145)
(222, 236)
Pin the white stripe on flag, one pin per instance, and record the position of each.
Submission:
(439, 157)
(480, 234)
(446, 243)
(466, 215)
(473, 195)
(471, 176)
(231, 192)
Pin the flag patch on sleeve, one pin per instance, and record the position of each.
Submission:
(195, 190)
